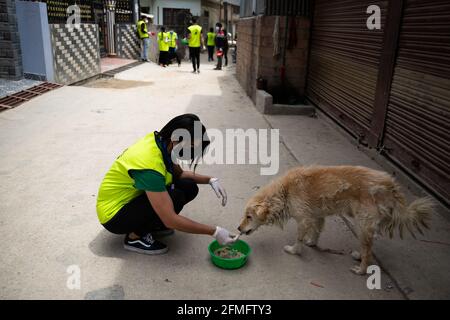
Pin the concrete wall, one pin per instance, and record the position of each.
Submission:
(10, 51)
(213, 10)
(255, 54)
(34, 32)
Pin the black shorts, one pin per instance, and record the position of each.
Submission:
(138, 215)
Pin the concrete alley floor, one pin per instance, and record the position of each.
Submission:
(56, 149)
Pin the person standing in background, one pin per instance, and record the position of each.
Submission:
(173, 37)
(226, 47)
(220, 45)
(142, 32)
(163, 43)
(195, 38)
(210, 42)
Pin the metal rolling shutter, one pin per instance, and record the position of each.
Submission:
(344, 60)
(417, 132)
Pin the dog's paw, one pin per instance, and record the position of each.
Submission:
(358, 270)
(292, 249)
(356, 255)
(310, 242)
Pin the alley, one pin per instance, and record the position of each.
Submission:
(56, 149)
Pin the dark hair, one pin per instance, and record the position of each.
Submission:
(163, 29)
(194, 19)
(211, 29)
(187, 122)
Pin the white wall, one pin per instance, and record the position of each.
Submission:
(193, 5)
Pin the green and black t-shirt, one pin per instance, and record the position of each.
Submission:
(148, 180)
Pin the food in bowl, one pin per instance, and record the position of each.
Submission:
(228, 253)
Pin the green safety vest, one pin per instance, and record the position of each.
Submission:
(211, 38)
(144, 34)
(194, 39)
(173, 39)
(117, 187)
(163, 42)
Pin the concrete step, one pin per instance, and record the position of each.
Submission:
(264, 104)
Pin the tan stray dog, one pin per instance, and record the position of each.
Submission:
(309, 194)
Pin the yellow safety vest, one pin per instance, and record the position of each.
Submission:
(194, 39)
(211, 38)
(117, 187)
(163, 41)
(144, 34)
(173, 40)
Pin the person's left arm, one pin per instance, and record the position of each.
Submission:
(182, 174)
(220, 192)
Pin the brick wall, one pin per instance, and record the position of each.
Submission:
(255, 53)
(10, 54)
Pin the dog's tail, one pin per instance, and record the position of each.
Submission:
(413, 217)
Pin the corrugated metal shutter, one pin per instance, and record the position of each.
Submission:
(344, 60)
(418, 120)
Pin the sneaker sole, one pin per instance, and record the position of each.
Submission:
(148, 252)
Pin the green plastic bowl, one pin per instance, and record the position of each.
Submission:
(235, 263)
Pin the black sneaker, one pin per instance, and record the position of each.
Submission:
(145, 245)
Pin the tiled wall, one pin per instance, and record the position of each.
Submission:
(76, 53)
(128, 45)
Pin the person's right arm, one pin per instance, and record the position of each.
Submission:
(202, 40)
(163, 206)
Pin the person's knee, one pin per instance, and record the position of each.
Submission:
(189, 188)
(178, 199)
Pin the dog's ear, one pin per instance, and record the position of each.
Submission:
(262, 211)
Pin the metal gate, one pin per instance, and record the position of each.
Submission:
(390, 87)
(417, 126)
(343, 62)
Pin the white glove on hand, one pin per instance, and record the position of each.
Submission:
(219, 190)
(224, 237)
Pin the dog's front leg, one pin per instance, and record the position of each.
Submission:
(313, 232)
(366, 239)
(297, 247)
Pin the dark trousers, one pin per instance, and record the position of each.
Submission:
(138, 215)
(163, 57)
(173, 55)
(219, 62)
(210, 53)
(194, 54)
(225, 55)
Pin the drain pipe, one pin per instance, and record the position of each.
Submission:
(110, 22)
(283, 66)
(135, 10)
